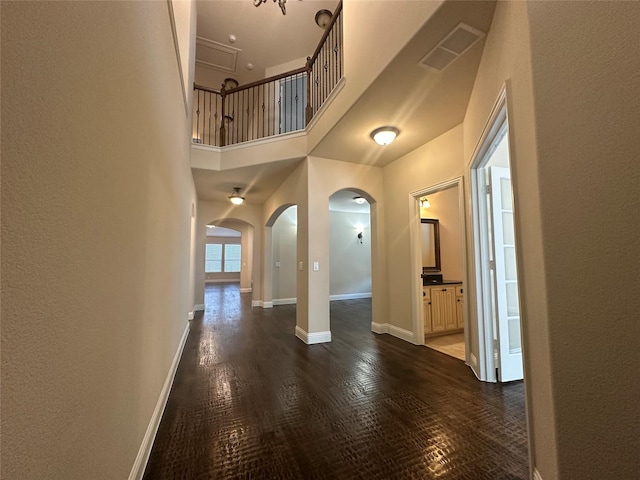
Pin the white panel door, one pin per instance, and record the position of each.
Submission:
(506, 276)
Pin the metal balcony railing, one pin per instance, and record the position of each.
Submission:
(273, 106)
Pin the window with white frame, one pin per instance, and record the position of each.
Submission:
(220, 258)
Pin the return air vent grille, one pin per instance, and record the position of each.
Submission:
(458, 41)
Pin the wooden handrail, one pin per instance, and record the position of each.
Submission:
(264, 81)
(206, 89)
(327, 31)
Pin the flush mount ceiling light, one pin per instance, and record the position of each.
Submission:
(359, 200)
(235, 197)
(281, 4)
(230, 83)
(323, 18)
(384, 135)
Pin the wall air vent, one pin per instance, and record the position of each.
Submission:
(454, 44)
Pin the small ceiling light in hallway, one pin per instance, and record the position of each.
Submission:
(323, 18)
(235, 197)
(385, 135)
(359, 200)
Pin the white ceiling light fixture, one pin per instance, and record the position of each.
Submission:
(323, 18)
(235, 197)
(359, 200)
(384, 135)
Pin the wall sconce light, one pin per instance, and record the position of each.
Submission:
(235, 197)
(359, 200)
(360, 237)
(384, 135)
(424, 203)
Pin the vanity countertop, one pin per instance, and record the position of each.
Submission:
(444, 282)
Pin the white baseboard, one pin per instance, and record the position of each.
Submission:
(401, 333)
(198, 307)
(246, 290)
(191, 315)
(473, 359)
(222, 280)
(398, 332)
(313, 338)
(536, 474)
(262, 304)
(150, 435)
(349, 296)
(379, 327)
(285, 301)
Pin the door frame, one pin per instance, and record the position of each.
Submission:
(416, 256)
(498, 118)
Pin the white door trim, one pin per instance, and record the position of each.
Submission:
(486, 368)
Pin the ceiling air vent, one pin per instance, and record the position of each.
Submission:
(458, 41)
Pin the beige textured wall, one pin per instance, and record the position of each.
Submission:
(96, 217)
(291, 192)
(507, 57)
(325, 178)
(284, 241)
(436, 162)
(349, 260)
(586, 81)
(573, 121)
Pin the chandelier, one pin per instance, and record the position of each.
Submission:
(281, 4)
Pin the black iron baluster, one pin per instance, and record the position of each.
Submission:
(198, 115)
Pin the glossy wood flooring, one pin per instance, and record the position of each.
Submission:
(251, 401)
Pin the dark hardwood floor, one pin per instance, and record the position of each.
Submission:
(251, 401)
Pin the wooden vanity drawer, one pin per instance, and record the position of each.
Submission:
(427, 293)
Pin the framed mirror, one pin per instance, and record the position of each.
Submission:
(430, 234)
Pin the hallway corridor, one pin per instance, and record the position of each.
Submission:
(251, 401)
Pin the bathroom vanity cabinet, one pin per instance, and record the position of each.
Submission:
(443, 308)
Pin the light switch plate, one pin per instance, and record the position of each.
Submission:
(316, 266)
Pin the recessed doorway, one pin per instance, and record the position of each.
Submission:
(496, 252)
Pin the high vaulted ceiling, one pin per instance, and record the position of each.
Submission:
(421, 102)
(264, 37)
